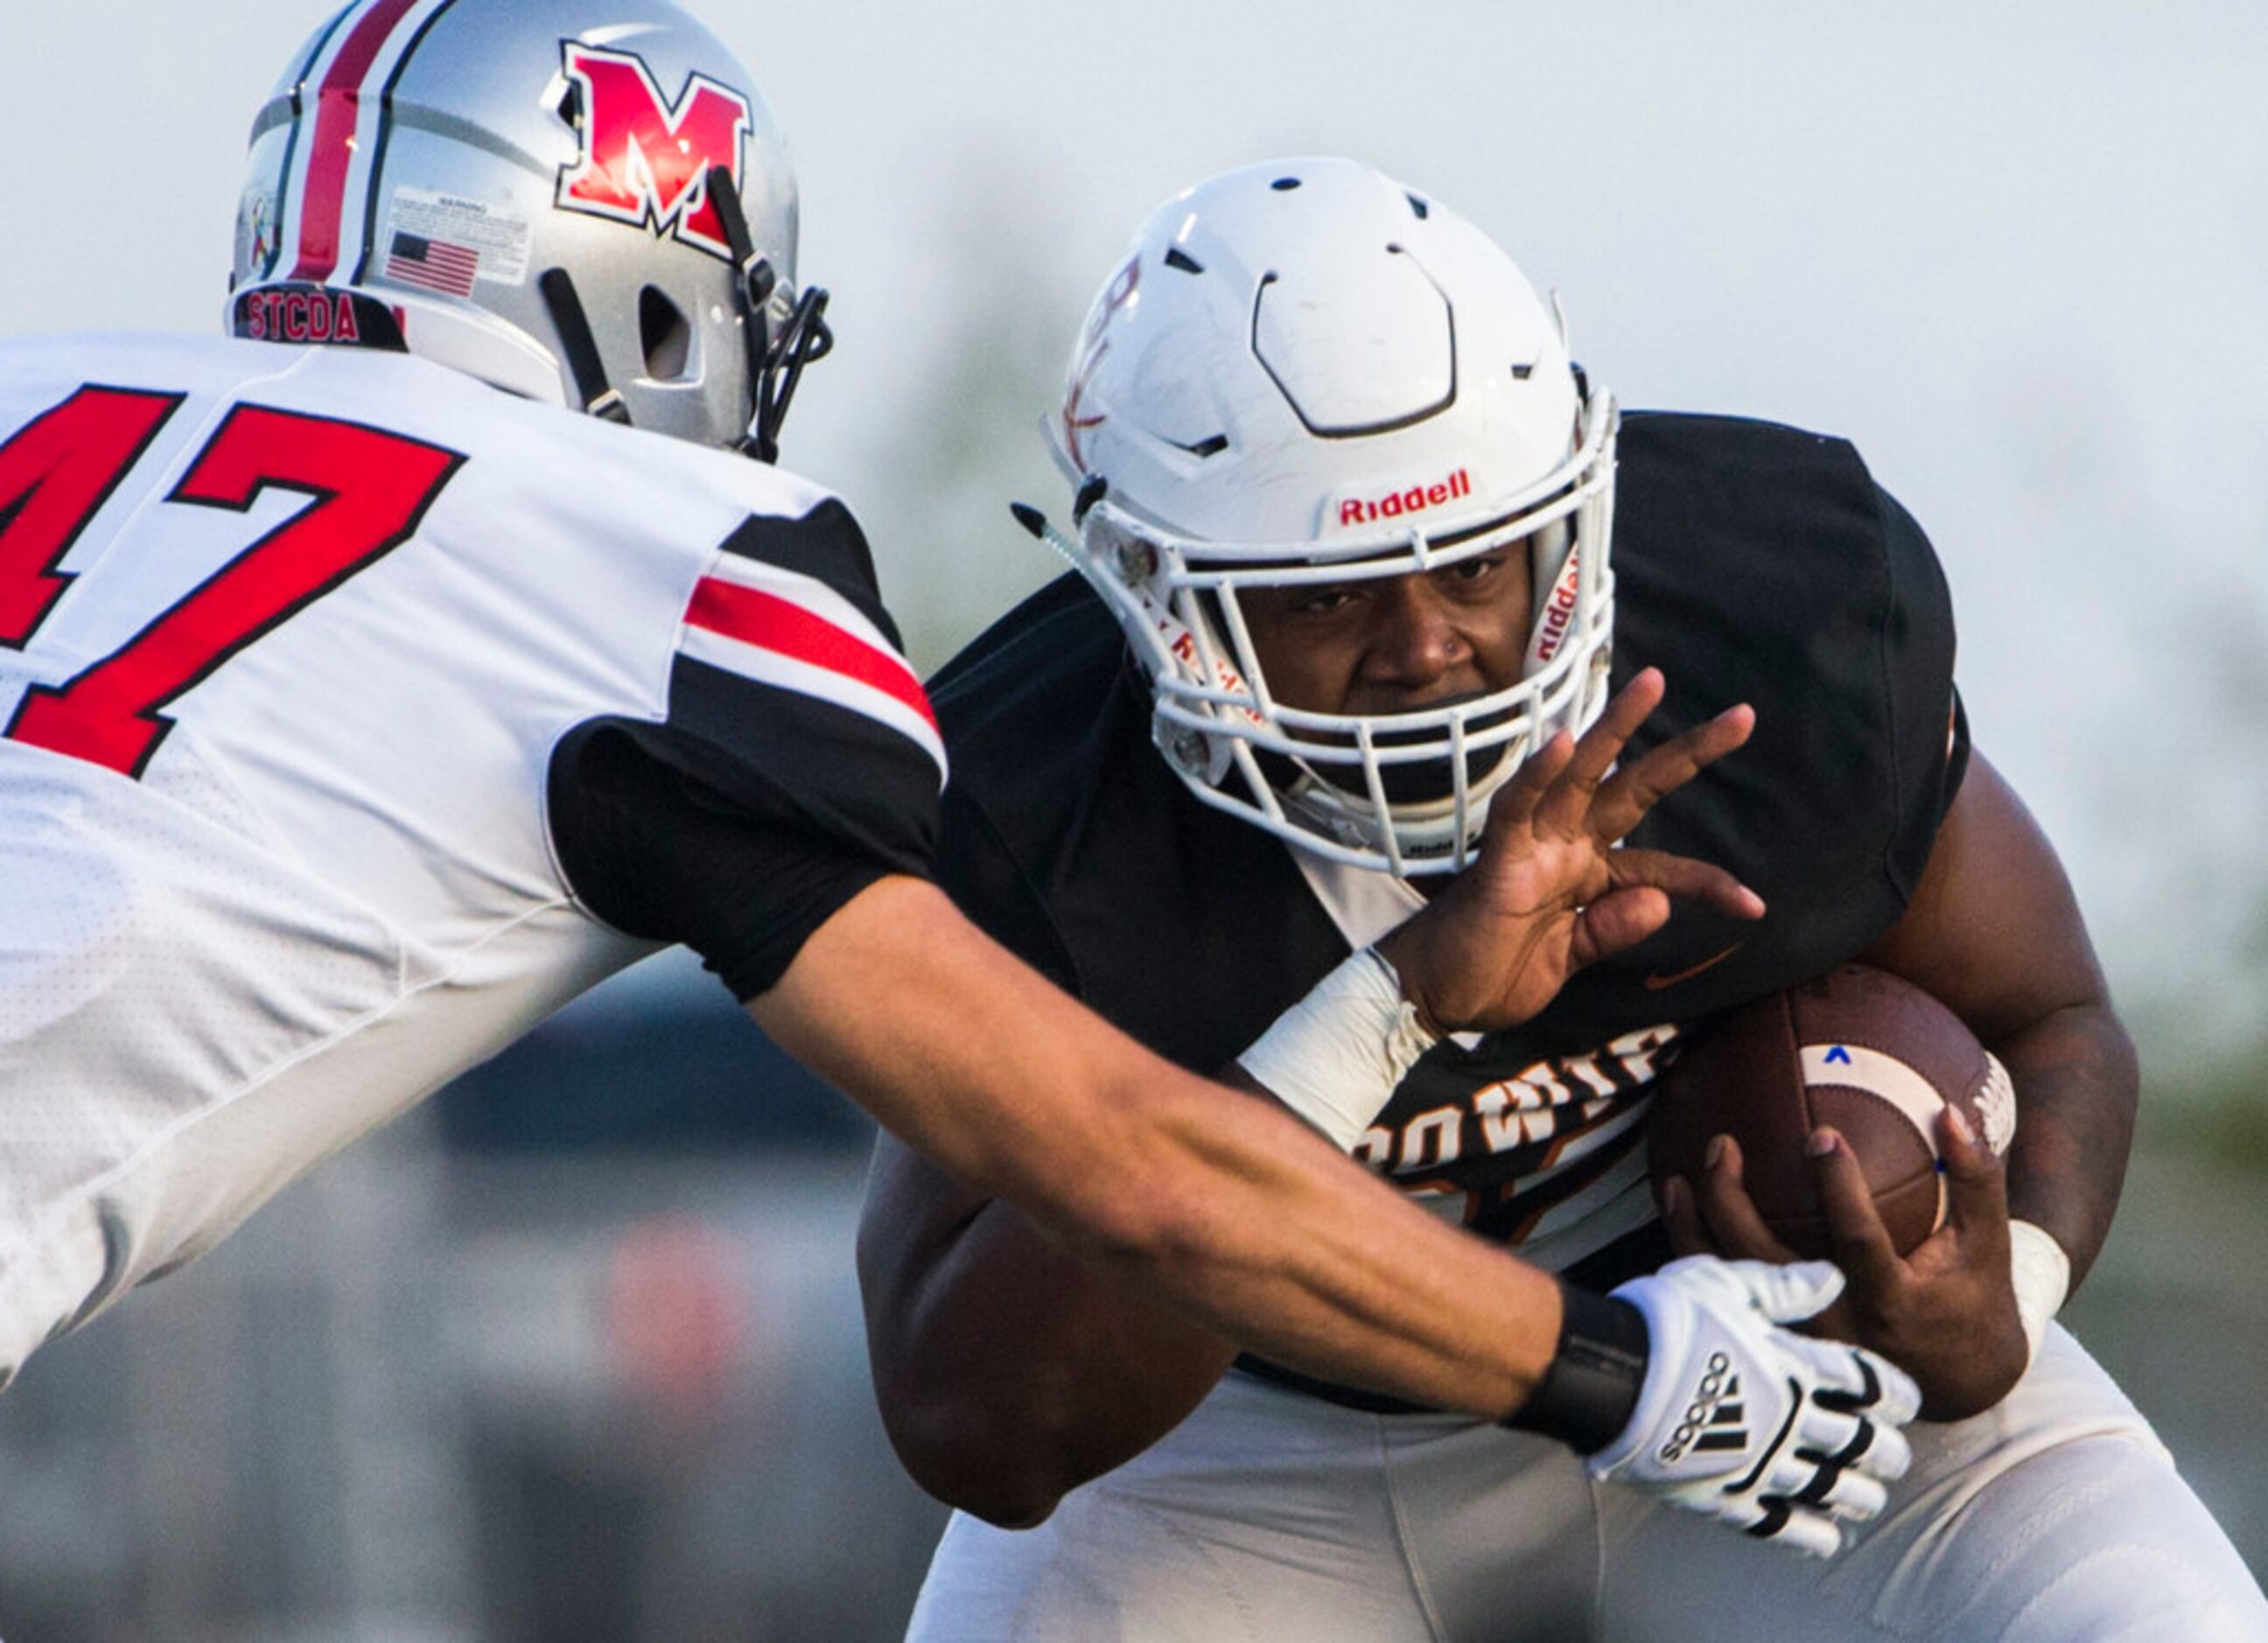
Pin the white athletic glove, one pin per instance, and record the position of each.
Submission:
(1776, 1433)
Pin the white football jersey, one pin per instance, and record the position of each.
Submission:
(287, 638)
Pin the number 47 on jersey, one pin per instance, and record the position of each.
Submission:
(370, 488)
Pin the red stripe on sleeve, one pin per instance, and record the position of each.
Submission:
(338, 107)
(786, 628)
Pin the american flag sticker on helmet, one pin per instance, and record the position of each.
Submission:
(434, 264)
(493, 232)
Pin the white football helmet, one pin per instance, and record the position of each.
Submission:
(1303, 372)
(524, 190)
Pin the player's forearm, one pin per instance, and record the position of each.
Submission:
(1254, 1228)
(1319, 1265)
(1007, 1372)
(1996, 933)
(1237, 1213)
(2076, 1084)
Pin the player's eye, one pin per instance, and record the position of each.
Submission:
(1323, 601)
(1470, 574)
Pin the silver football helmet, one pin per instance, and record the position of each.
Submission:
(583, 202)
(1303, 372)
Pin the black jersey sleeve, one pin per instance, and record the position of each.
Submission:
(1761, 564)
(658, 854)
(788, 682)
(1926, 728)
(799, 761)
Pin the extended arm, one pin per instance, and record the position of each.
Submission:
(1249, 1221)
(1258, 1228)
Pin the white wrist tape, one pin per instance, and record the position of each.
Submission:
(1336, 1056)
(2042, 1273)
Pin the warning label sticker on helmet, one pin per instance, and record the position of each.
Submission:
(446, 241)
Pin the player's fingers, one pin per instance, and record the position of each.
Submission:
(1617, 920)
(1513, 808)
(1623, 800)
(1568, 803)
(1976, 1182)
(1686, 879)
(1809, 1531)
(1681, 1214)
(1889, 1455)
(1857, 1498)
(1734, 1223)
(1844, 1493)
(1806, 1470)
(1823, 1436)
(1861, 1244)
(1854, 1381)
(1631, 707)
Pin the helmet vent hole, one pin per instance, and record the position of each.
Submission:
(1419, 206)
(1180, 259)
(1285, 185)
(1520, 374)
(1211, 446)
(664, 335)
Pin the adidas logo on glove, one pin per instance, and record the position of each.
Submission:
(1715, 1417)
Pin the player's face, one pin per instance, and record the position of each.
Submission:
(1396, 644)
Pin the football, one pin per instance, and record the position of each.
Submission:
(1858, 1049)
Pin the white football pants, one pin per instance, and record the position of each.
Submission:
(1267, 1516)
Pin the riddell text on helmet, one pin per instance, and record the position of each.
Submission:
(1416, 499)
(1559, 613)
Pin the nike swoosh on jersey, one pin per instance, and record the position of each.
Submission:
(1656, 983)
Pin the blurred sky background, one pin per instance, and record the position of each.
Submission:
(2015, 251)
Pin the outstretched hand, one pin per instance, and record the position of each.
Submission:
(1549, 892)
(1944, 1312)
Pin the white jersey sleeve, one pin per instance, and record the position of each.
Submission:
(288, 638)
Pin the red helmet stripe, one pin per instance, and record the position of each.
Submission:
(338, 109)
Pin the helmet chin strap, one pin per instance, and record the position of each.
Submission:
(774, 364)
(599, 397)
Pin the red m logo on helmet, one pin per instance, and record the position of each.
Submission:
(646, 160)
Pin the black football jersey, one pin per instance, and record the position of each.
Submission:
(1753, 563)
